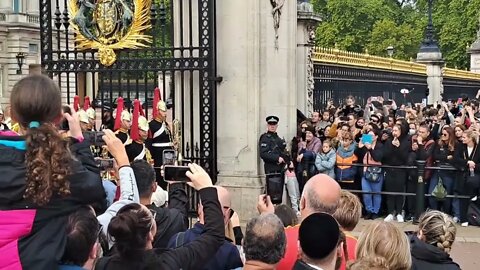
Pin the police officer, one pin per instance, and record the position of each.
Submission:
(272, 148)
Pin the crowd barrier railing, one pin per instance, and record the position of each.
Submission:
(420, 188)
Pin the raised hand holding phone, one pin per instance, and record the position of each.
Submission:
(116, 148)
(199, 177)
(265, 204)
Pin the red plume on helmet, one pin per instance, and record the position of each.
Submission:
(156, 98)
(76, 101)
(118, 118)
(86, 103)
(136, 113)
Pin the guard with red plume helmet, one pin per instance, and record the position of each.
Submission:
(76, 103)
(160, 136)
(90, 111)
(139, 133)
(122, 122)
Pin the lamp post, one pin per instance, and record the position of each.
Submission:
(20, 60)
(429, 43)
(390, 50)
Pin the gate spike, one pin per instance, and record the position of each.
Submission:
(196, 149)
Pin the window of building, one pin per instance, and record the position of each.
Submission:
(33, 48)
(17, 6)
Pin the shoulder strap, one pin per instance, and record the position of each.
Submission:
(179, 239)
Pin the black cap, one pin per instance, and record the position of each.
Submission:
(319, 234)
(272, 119)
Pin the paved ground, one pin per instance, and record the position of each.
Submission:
(465, 251)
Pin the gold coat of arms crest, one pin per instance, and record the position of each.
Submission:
(109, 25)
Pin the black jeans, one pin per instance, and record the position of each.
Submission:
(395, 180)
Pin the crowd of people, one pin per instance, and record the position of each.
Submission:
(56, 211)
(351, 143)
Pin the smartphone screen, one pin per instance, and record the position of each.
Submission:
(367, 138)
(104, 164)
(169, 157)
(176, 173)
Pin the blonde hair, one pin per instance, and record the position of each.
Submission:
(348, 211)
(471, 134)
(438, 229)
(370, 263)
(383, 240)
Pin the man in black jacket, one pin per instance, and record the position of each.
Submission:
(422, 148)
(169, 220)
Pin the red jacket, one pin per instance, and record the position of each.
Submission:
(291, 251)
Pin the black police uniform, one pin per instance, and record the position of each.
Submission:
(271, 148)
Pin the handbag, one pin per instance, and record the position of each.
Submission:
(473, 214)
(373, 174)
(439, 192)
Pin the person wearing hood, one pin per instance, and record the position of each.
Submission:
(396, 152)
(345, 173)
(431, 244)
(325, 160)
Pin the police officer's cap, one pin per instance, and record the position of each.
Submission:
(272, 119)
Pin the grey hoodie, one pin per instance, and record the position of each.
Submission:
(325, 163)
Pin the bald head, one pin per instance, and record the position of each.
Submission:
(320, 194)
(224, 197)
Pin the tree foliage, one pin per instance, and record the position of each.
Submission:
(373, 25)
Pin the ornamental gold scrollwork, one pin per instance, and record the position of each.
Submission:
(109, 25)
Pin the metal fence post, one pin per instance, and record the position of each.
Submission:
(420, 193)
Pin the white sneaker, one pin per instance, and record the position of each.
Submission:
(456, 220)
(465, 224)
(400, 219)
(474, 199)
(389, 218)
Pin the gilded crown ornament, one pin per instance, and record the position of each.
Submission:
(109, 25)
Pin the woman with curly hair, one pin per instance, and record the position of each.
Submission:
(44, 177)
(431, 244)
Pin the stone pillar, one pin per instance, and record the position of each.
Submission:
(307, 22)
(258, 80)
(434, 62)
(474, 52)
